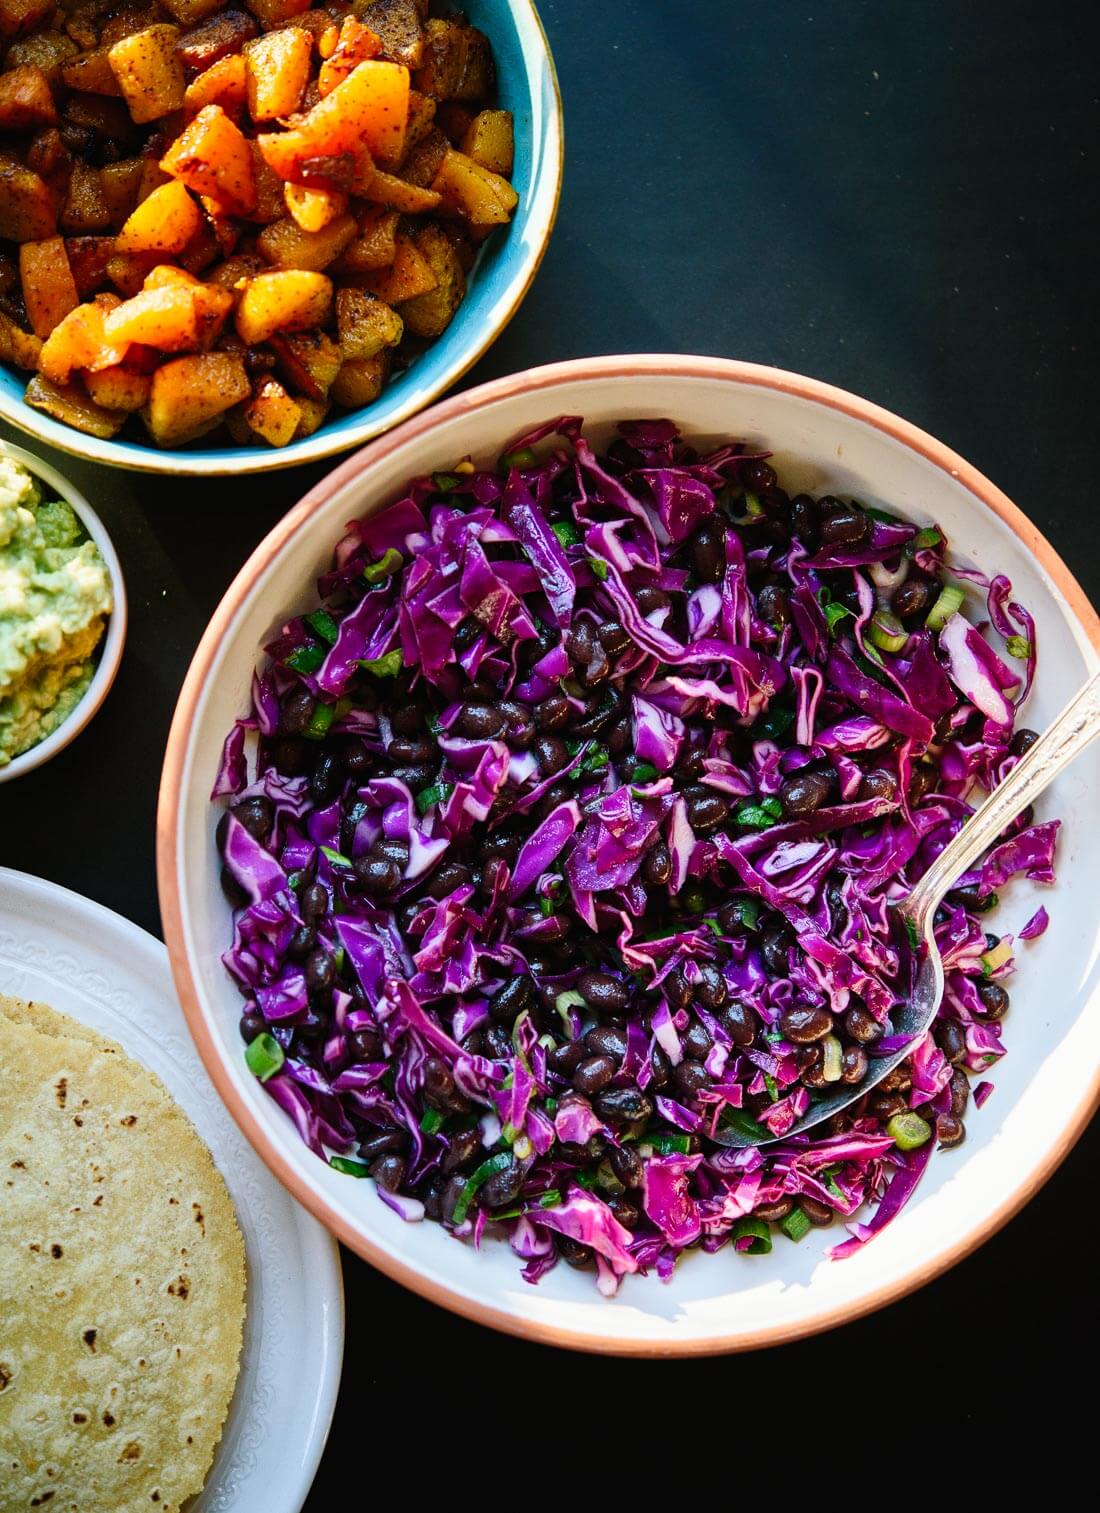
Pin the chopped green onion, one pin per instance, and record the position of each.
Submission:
(595, 761)
(713, 926)
(748, 912)
(570, 999)
(443, 483)
(478, 1179)
(743, 1122)
(776, 720)
(886, 631)
(337, 858)
(524, 457)
(508, 1213)
(598, 567)
(924, 540)
(586, 1180)
(773, 807)
(829, 1182)
(754, 816)
(306, 659)
(949, 602)
(908, 1131)
(432, 1121)
(546, 907)
(753, 507)
(995, 958)
(323, 625)
(911, 932)
(772, 1086)
(834, 613)
(692, 901)
(294, 879)
(319, 722)
(756, 1232)
(389, 562)
(644, 772)
(832, 1058)
(549, 1199)
(607, 1179)
(349, 1168)
(384, 667)
(877, 514)
(264, 1056)
(550, 1105)
(669, 1145)
(436, 794)
(795, 1226)
(566, 532)
(1018, 647)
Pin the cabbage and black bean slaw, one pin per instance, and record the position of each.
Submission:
(563, 836)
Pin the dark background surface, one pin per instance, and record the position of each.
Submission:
(890, 197)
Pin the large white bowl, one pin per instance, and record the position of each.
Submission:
(1046, 1088)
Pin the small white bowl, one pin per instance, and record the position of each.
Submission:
(109, 650)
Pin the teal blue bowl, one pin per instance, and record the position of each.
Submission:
(527, 86)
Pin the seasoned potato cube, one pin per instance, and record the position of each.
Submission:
(285, 245)
(79, 341)
(120, 183)
(386, 189)
(224, 83)
(86, 208)
(166, 318)
(17, 17)
(191, 392)
(45, 50)
(234, 271)
(277, 71)
(127, 270)
(477, 75)
(28, 211)
(443, 63)
(360, 381)
(484, 198)
(314, 209)
(272, 13)
(368, 110)
(213, 304)
(191, 12)
(25, 99)
(73, 407)
(220, 37)
(308, 360)
(313, 416)
(211, 157)
(120, 388)
(365, 324)
(292, 299)
(108, 118)
(49, 291)
(422, 109)
(272, 414)
(91, 72)
(408, 275)
(88, 258)
(374, 247)
(397, 23)
(430, 314)
(489, 141)
(422, 164)
(355, 44)
(164, 222)
(18, 346)
(149, 73)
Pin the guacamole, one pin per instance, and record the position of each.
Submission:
(55, 595)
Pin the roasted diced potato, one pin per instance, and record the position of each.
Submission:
(28, 211)
(128, 270)
(25, 99)
(213, 304)
(72, 406)
(18, 346)
(285, 245)
(359, 382)
(120, 388)
(314, 209)
(408, 275)
(49, 291)
(45, 50)
(191, 12)
(355, 43)
(374, 247)
(277, 71)
(149, 72)
(86, 208)
(224, 83)
(292, 299)
(272, 13)
(429, 314)
(191, 392)
(365, 324)
(489, 141)
(235, 271)
(108, 118)
(17, 17)
(308, 360)
(220, 37)
(443, 62)
(88, 259)
(79, 341)
(120, 183)
(477, 74)
(211, 157)
(423, 163)
(92, 72)
(313, 415)
(398, 24)
(272, 414)
(166, 318)
(387, 189)
(163, 223)
(483, 198)
(367, 110)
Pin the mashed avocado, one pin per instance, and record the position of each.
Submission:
(55, 593)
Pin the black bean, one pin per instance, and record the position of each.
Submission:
(291, 755)
(677, 989)
(462, 1146)
(774, 946)
(950, 1131)
(602, 992)
(551, 754)
(498, 1042)
(689, 1079)
(593, 1074)
(657, 867)
(886, 1105)
(648, 598)
(854, 1064)
(731, 920)
(913, 597)
(660, 1066)
(861, 1025)
(803, 516)
(313, 901)
(502, 1187)
(553, 713)
(257, 815)
(627, 1165)
(757, 475)
(394, 851)
(408, 717)
(519, 727)
(439, 1082)
(818, 1213)
(320, 972)
(389, 1172)
(877, 784)
(707, 553)
(377, 875)
(1022, 741)
(565, 1059)
(573, 1253)
(356, 758)
(613, 638)
(922, 781)
(511, 999)
(706, 810)
(804, 791)
(386, 1142)
(951, 1039)
(773, 605)
(960, 1092)
(846, 526)
(697, 1042)
(738, 1021)
(620, 736)
(994, 999)
(251, 1024)
(416, 778)
(479, 722)
(804, 1024)
(607, 1040)
(624, 1105)
(773, 1212)
(301, 942)
(557, 793)
(446, 878)
(580, 643)
(297, 711)
(454, 1189)
(625, 1211)
(405, 750)
(900, 1080)
(811, 1066)
(365, 1045)
(712, 989)
(473, 1043)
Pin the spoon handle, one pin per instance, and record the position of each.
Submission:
(1060, 743)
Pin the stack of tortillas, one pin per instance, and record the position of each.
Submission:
(122, 1276)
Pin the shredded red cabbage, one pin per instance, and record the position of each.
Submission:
(563, 836)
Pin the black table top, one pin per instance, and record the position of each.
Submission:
(887, 197)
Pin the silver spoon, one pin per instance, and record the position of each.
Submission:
(1071, 732)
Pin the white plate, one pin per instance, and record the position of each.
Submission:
(102, 970)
